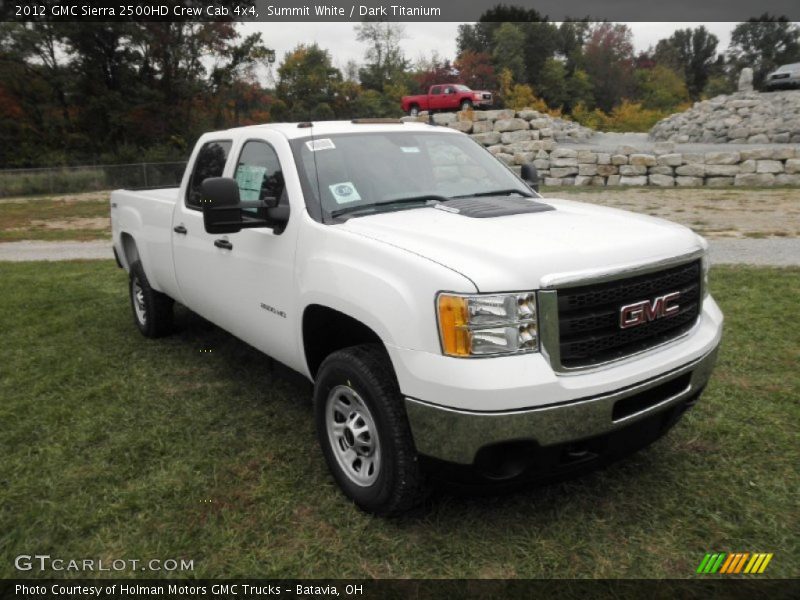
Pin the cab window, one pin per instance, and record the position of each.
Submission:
(210, 162)
(259, 174)
(436, 90)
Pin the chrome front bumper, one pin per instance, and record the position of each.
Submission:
(457, 435)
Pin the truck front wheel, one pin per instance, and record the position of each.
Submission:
(413, 111)
(364, 433)
(152, 310)
(466, 105)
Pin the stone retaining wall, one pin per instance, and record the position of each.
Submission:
(528, 136)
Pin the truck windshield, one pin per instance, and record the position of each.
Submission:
(365, 173)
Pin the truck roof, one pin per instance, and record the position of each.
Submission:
(300, 130)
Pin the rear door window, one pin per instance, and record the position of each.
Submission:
(210, 162)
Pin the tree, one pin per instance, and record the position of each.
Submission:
(385, 62)
(475, 69)
(764, 44)
(608, 57)
(579, 91)
(509, 50)
(691, 52)
(553, 83)
(307, 79)
(661, 88)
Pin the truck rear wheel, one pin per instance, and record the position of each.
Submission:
(364, 433)
(152, 310)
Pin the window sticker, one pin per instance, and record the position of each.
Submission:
(250, 178)
(410, 149)
(344, 193)
(323, 144)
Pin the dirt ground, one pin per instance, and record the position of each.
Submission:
(713, 213)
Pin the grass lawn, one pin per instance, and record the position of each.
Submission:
(114, 446)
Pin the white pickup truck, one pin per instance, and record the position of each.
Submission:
(452, 321)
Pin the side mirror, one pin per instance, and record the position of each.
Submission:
(530, 176)
(222, 209)
(220, 202)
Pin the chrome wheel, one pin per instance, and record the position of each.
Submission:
(353, 435)
(138, 301)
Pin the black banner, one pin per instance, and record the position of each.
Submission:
(391, 10)
(387, 589)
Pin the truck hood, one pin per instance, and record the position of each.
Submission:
(517, 252)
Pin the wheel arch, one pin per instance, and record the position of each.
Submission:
(326, 330)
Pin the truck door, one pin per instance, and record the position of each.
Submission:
(435, 98)
(250, 283)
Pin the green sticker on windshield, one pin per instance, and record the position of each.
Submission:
(344, 193)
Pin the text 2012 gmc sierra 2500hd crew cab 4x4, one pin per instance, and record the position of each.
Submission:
(447, 315)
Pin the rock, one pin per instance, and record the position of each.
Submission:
(670, 160)
(661, 180)
(661, 170)
(664, 147)
(509, 137)
(510, 125)
(722, 170)
(564, 153)
(587, 156)
(786, 179)
(482, 126)
(619, 159)
(626, 150)
(541, 163)
(563, 171)
(583, 180)
(747, 166)
(689, 181)
(494, 115)
(722, 158)
(559, 161)
(606, 170)
(462, 126)
(506, 158)
(745, 80)
(640, 180)
(586, 170)
(691, 158)
(632, 170)
(603, 158)
(613, 180)
(759, 138)
(648, 160)
(719, 181)
(496, 149)
(528, 114)
(755, 179)
(792, 166)
(691, 170)
(487, 139)
(769, 166)
(444, 118)
(782, 153)
(553, 181)
(521, 158)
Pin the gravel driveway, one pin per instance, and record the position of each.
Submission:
(766, 252)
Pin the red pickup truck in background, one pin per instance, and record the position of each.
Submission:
(445, 96)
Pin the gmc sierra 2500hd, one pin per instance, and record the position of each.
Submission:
(447, 315)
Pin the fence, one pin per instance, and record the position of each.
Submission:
(61, 180)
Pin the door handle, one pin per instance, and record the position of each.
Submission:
(179, 229)
(225, 244)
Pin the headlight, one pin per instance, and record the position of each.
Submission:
(485, 325)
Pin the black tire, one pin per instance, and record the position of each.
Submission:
(413, 110)
(367, 372)
(466, 105)
(152, 310)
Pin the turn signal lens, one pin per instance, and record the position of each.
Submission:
(453, 325)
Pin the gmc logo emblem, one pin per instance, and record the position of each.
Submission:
(639, 313)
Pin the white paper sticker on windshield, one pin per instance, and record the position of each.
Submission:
(344, 193)
(410, 149)
(323, 144)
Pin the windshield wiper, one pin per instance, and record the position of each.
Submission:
(506, 192)
(424, 199)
